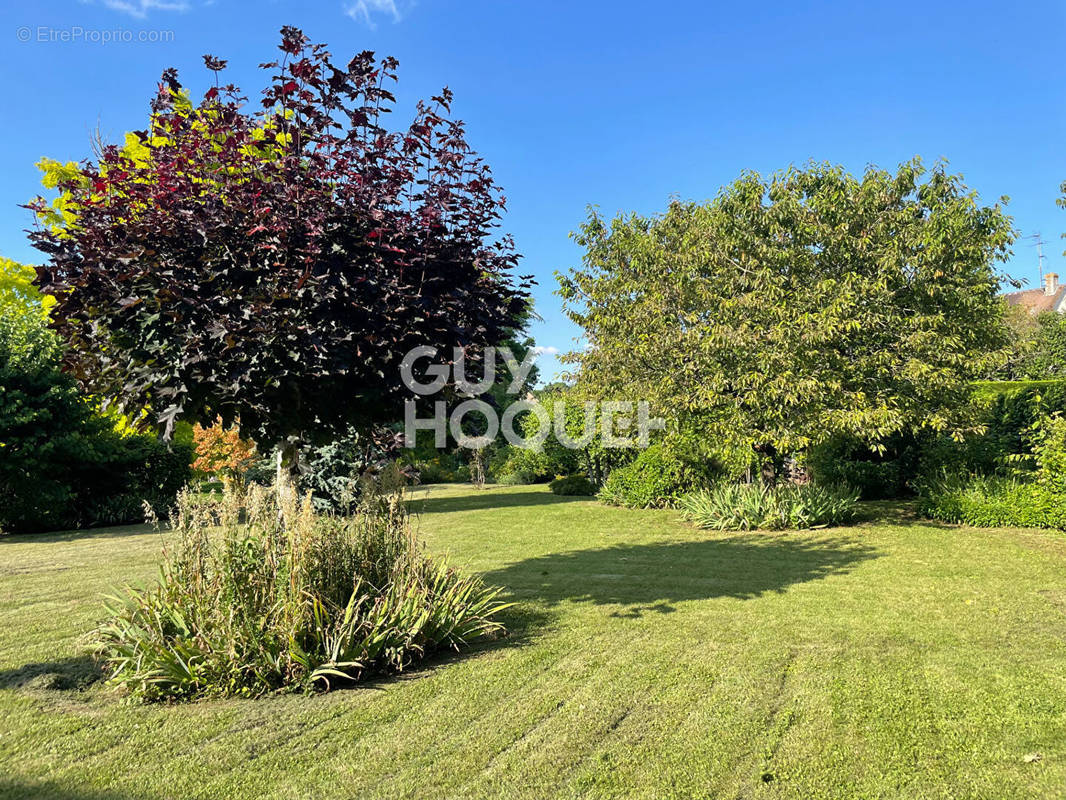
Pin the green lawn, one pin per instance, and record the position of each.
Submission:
(647, 659)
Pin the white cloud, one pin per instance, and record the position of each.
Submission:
(141, 8)
(365, 10)
(546, 351)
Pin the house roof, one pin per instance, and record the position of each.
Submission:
(1036, 301)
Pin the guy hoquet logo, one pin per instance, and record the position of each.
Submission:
(619, 423)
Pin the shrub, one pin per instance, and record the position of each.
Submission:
(528, 465)
(63, 463)
(336, 473)
(64, 466)
(657, 478)
(551, 458)
(1049, 450)
(442, 468)
(263, 471)
(748, 506)
(517, 478)
(983, 501)
(221, 453)
(573, 485)
(1010, 411)
(132, 471)
(1035, 506)
(332, 474)
(49, 437)
(978, 500)
(257, 608)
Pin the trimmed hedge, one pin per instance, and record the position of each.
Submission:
(990, 390)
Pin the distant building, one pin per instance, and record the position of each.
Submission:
(1052, 297)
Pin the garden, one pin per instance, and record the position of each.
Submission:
(644, 658)
(289, 509)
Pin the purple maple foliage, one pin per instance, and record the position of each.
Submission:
(273, 265)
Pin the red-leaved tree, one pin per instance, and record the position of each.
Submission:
(271, 267)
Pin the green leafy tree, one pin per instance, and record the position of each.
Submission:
(796, 306)
(1044, 353)
(25, 339)
(583, 450)
(1038, 342)
(1023, 329)
(1061, 203)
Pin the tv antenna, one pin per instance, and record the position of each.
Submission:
(1039, 243)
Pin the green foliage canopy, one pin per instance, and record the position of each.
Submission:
(799, 305)
(1044, 355)
(25, 340)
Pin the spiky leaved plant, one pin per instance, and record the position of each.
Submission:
(247, 606)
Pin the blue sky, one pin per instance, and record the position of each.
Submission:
(618, 104)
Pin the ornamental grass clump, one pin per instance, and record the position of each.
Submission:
(750, 506)
(248, 605)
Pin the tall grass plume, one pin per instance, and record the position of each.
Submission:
(251, 601)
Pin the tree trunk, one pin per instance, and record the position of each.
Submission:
(477, 468)
(591, 468)
(767, 464)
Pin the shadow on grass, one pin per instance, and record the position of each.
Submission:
(480, 501)
(53, 790)
(54, 537)
(896, 514)
(71, 674)
(653, 577)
